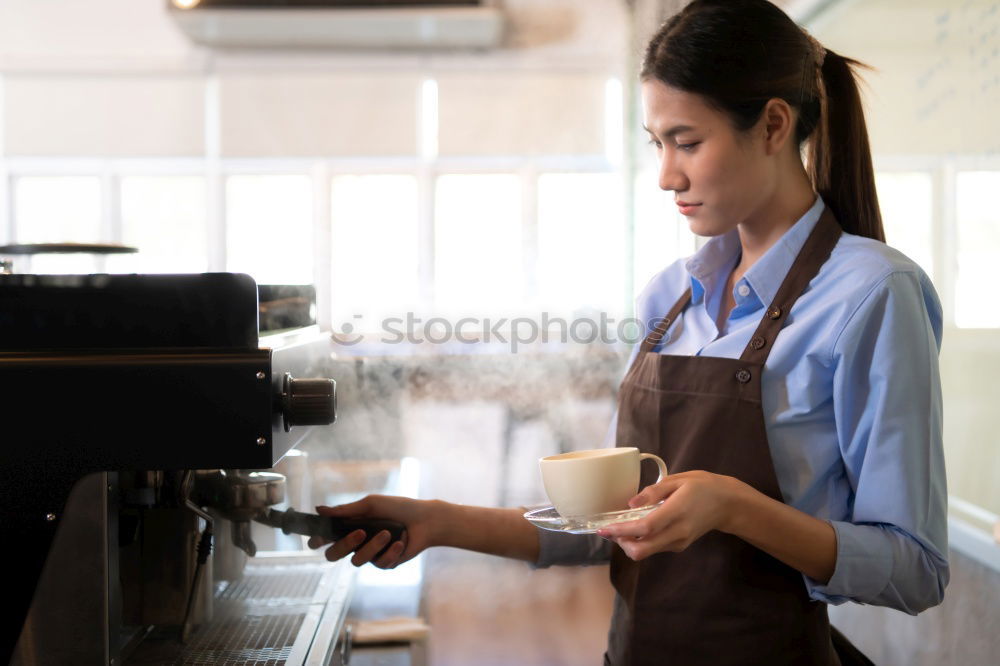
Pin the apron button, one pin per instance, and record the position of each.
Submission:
(774, 313)
(758, 342)
(743, 376)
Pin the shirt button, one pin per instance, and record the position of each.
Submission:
(743, 290)
(758, 342)
(774, 313)
(743, 376)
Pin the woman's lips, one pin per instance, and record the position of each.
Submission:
(687, 208)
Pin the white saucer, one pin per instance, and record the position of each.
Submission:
(549, 519)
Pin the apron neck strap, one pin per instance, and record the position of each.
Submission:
(654, 338)
(812, 256)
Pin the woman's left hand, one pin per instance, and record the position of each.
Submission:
(693, 503)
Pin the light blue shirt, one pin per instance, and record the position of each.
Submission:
(851, 401)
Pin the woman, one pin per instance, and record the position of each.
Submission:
(789, 376)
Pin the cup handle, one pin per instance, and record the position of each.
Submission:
(659, 463)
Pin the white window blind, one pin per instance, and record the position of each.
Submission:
(104, 116)
(288, 114)
(521, 114)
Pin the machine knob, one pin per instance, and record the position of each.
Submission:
(308, 401)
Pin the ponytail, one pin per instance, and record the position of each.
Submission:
(838, 151)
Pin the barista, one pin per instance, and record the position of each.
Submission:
(788, 377)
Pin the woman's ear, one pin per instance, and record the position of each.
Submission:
(778, 119)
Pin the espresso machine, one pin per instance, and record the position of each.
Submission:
(142, 413)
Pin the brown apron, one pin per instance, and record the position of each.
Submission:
(720, 601)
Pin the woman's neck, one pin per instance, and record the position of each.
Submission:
(780, 214)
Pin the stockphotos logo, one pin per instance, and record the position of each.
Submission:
(515, 332)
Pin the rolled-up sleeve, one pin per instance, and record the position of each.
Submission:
(887, 405)
(561, 548)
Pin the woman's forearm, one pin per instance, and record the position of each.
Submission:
(801, 541)
(502, 532)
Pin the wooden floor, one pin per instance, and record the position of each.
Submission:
(487, 611)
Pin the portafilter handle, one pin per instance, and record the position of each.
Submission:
(331, 528)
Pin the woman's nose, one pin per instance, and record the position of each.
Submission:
(671, 177)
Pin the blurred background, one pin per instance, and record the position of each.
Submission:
(493, 169)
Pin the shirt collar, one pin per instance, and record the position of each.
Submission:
(712, 262)
(718, 256)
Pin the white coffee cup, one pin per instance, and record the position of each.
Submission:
(584, 483)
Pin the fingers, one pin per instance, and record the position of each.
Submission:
(636, 550)
(632, 529)
(316, 542)
(360, 508)
(657, 492)
(355, 541)
(640, 538)
(363, 554)
(657, 520)
(368, 551)
(345, 546)
(391, 557)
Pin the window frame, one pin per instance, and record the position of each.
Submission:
(943, 172)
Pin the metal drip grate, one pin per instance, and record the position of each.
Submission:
(264, 640)
(276, 585)
(257, 620)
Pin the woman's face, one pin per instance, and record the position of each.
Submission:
(720, 177)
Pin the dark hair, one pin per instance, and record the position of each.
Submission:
(738, 54)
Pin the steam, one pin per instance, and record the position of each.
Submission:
(477, 422)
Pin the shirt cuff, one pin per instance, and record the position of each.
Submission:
(863, 568)
(562, 548)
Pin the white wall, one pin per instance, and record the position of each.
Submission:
(109, 34)
(935, 88)
(130, 34)
(117, 78)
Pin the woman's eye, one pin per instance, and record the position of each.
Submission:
(687, 146)
(657, 144)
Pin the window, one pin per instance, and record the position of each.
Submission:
(661, 233)
(580, 242)
(60, 209)
(269, 228)
(375, 245)
(163, 216)
(906, 201)
(978, 248)
(478, 255)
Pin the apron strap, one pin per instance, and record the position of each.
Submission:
(654, 338)
(813, 255)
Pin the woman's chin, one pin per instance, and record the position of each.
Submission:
(705, 228)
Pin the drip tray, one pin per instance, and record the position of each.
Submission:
(285, 611)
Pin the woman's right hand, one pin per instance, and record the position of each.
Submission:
(420, 517)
